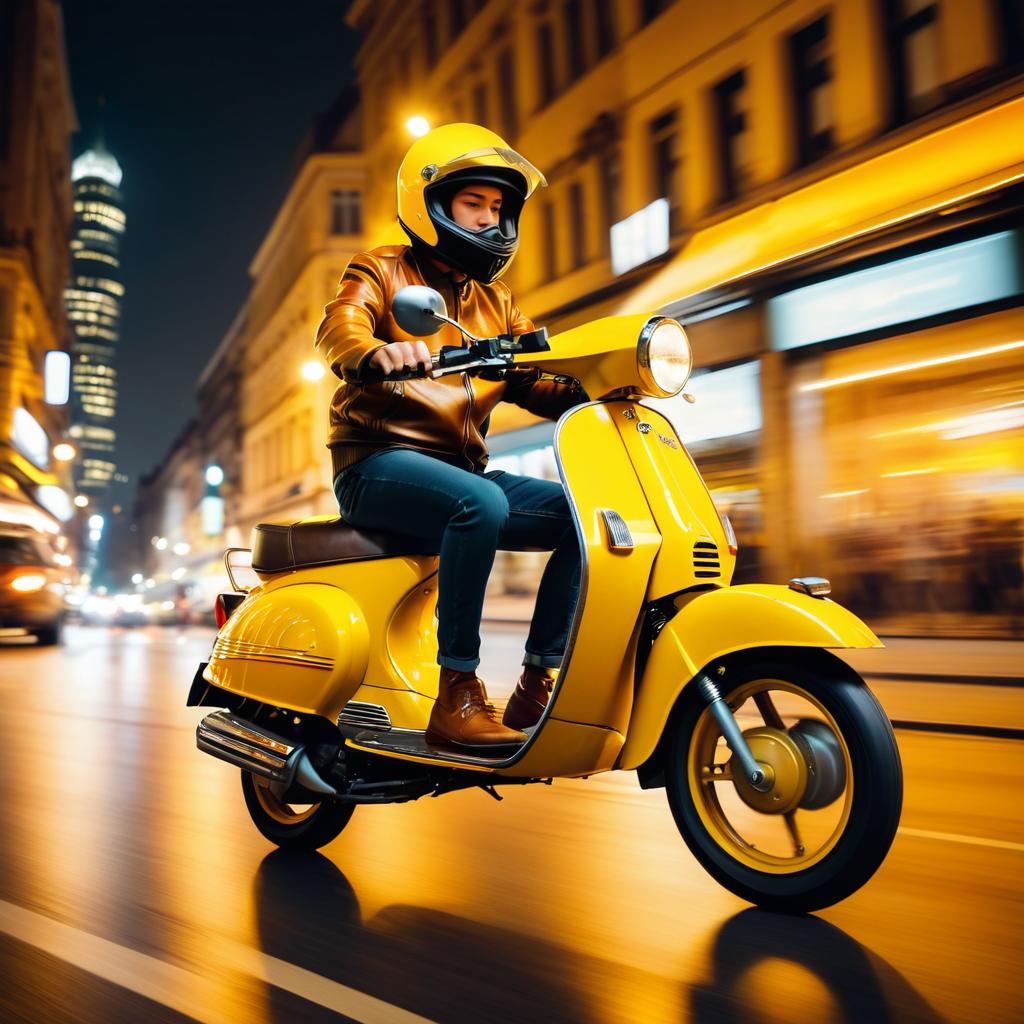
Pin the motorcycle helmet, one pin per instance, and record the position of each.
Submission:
(436, 167)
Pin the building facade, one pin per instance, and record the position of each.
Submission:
(719, 179)
(93, 300)
(37, 119)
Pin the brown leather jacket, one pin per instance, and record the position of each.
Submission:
(445, 416)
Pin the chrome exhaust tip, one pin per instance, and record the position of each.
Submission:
(248, 746)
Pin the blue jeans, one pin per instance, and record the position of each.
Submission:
(469, 516)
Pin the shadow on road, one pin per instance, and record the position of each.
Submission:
(860, 985)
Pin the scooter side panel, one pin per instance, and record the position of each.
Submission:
(596, 688)
(302, 647)
(330, 623)
(680, 504)
(714, 623)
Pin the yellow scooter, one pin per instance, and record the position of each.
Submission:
(781, 768)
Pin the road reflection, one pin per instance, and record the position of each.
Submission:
(764, 966)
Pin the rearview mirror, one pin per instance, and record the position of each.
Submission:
(416, 309)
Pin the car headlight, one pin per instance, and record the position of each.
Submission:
(28, 584)
(663, 356)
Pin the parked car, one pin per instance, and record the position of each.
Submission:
(31, 587)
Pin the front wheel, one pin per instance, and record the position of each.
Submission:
(292, 826)
(826, 822)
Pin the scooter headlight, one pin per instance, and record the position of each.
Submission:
(663, 356)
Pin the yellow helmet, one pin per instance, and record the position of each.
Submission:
(435, 168)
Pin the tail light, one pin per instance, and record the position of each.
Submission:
(224, 606)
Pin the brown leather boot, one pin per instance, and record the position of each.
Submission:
(530, 697)
(462, 717)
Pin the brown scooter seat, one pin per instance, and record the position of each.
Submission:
(325, 540)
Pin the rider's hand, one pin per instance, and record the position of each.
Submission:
(401, 355)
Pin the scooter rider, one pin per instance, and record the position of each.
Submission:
(410, 456)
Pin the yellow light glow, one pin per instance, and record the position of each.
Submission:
(855, 378)
(28, 584)
(64, 452)
(417, 126)
(313, 370)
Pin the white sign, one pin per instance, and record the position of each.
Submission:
(728, 403)
(954, 277)
(211, 511)
(57, 377)
(30, 439)
(640, 237)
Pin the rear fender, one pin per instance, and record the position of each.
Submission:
(712, 624)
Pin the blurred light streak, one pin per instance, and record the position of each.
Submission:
(847, 494)
(913, 472)
(922, 364)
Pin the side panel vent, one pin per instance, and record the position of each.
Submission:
(364, 716)
(706, 564)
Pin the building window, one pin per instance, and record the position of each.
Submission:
(664, 140)
(548, 241)
(812, 83)
(507, 94)
(611, 192)
(604, 25)
(1011, 21)
(733, 133)
(480, 103)
(650, 9)
(346, 213)
(577, 225)
(574, 42)
(913, 38)
(546, 62)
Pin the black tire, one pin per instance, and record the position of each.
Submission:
(877, 795)
(51, 635)
(308, 832)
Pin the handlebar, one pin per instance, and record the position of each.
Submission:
(479, 356)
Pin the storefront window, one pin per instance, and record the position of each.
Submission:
(907, 457)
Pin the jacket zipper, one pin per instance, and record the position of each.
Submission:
(468, 386)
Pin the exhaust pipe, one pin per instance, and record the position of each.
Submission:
(249, 746)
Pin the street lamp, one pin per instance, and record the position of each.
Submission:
(417, 126)
(182, 548)
(313, 370)
(64, 452)
(81, 501)
(214, 476)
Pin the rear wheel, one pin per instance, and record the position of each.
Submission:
(826, 822)
(292, 826)
(50, 635)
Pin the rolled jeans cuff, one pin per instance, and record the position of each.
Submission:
(543, 660)
(458, 664)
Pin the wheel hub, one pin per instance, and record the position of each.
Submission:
(785, 765)
(826, 767)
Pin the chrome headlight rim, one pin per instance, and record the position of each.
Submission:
(643, 357)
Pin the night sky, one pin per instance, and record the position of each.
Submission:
(206, 105)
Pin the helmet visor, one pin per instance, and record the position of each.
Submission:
(489, 159)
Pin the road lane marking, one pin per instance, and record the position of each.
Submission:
(950, 837)
(184, 990)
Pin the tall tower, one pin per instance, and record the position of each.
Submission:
(93, 302)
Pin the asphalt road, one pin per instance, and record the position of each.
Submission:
(133, 886)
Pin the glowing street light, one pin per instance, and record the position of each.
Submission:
(136, 577)
(81, 501)
(64, 452)
(214, 476)
(160, 543)
(182, 548)
(417, 126)
(313, 370)
(96, 522)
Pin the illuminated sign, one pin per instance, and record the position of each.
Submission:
(56, 501)
(57, 377)
(30, 439)
(211, 511)
(966, 274)
(640, 237)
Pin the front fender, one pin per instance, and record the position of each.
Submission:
(714, 623)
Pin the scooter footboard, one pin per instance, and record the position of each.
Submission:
(303, 646)
(711, 624)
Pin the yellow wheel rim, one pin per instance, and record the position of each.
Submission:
(757, 830)
(276, 808)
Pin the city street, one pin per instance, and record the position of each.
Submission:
(133, 886)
